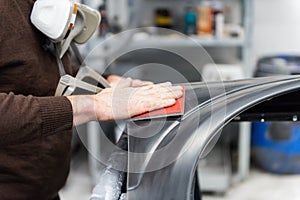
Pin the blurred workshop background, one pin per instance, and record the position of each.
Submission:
(243, 38)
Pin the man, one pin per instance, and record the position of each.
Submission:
(36, 128)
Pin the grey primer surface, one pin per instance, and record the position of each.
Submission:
(164, 152)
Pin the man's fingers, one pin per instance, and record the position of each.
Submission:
(159, 96)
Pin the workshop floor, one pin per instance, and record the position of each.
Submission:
(258, 186)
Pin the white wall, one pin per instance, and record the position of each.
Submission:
(276, 27)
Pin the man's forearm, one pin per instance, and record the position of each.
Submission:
(83, 111)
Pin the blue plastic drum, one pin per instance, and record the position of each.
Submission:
(276, 146)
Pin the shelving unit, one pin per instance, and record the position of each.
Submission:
(182, 42)
(218, 177)
(223, 180)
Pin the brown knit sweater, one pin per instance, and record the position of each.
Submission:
(35, 128)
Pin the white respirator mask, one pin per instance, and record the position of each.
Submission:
(64, 21)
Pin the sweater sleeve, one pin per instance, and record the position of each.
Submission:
(25, 118)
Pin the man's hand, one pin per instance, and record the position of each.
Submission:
(121, 101)
(124, 102)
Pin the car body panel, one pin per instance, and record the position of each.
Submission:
(162, 160)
